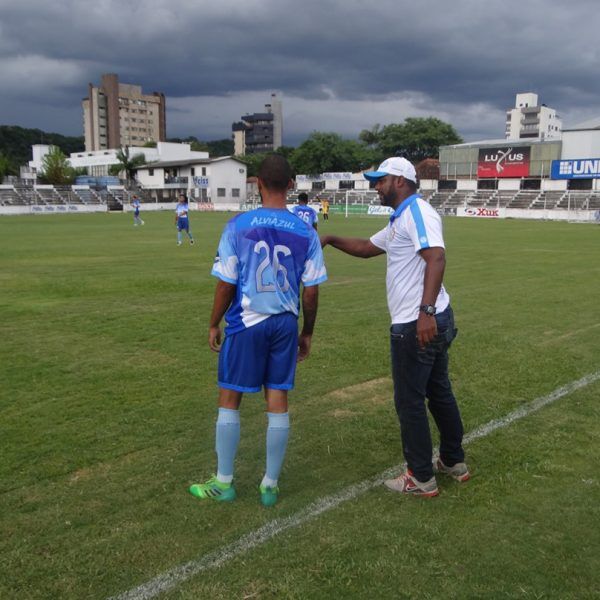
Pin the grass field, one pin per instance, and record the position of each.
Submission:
(108, 402)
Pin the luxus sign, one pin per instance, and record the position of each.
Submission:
(583, 168)
(505, 161)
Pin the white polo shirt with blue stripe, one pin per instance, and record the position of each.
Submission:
(414, 226)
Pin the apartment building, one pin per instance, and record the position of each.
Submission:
(530, 120)
(119, 114)
(259, 132)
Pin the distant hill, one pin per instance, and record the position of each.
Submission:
(16, 142)
(215, 148)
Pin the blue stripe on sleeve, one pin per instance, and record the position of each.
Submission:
(421, 231)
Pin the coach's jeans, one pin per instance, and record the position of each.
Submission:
(423, 373)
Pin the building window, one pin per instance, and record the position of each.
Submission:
(193, 171)
(235, 192)
(221, 192)
(203, 171)
(150, 172)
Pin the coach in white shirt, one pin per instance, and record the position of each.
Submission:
(422, 326)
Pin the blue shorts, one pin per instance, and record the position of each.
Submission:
(183, 223)
(263, 355)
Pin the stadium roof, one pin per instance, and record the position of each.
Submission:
(590, 124)
(186, 162)
(500, 142)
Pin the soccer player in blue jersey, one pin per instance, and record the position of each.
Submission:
(135, 203)
(263, 258)
(182, 219)
(305, 212)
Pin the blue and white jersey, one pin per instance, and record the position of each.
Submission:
(182, 211)
(267, 253)
(414, 226)
(306, 213)
(136, 204)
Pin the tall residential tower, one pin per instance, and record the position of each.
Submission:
(119, 114)
(259, 132)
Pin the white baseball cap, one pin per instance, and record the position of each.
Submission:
(393, 166)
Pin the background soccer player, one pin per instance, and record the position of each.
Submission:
(264, 255)
(182, 219)
(305, 212)
(137, 220)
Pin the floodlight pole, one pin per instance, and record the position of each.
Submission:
(346, 204)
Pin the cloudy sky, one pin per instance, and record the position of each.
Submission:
(339, 65)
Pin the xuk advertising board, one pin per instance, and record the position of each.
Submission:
(583, 168)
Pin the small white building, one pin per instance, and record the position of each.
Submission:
(98, 162)
(220, 181)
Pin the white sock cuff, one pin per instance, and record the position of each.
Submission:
(279, 420)
(228, 416)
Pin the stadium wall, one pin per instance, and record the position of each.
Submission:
(52, 209)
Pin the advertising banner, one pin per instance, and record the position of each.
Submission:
(504, 161)
(583, 168)
(377, 210)
(481, 212)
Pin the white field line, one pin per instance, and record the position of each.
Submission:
(177, 575)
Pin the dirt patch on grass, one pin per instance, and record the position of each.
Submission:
(353, 399)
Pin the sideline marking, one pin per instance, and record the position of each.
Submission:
(173, 577)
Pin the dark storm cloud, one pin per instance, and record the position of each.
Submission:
(369, 62)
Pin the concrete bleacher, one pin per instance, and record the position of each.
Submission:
(594, 201)
(481, 198)
(547, 200)
(574, 200)
(523, 199)
(87, 196)
(438, 199)
(49, 196)
(10, 197)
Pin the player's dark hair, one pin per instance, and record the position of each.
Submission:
(302, 197)
(275, 173)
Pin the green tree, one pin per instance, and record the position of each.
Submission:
(415, 139)
(56, 169)
(252, 162)
(370, 137)
(329, 152)
(127, 164)
(6, 167)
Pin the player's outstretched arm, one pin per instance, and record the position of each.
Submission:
(310, 303)
(353, 246)
(224, 293)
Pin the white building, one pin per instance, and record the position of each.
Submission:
(528, 119)
(220, 181)
(98, 162)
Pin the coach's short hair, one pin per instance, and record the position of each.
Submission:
(275, 173)
(302, 197)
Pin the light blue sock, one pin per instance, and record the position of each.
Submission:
(277, 437)
(179, 236)
(227, 440)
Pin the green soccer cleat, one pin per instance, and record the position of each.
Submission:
(213, 489)
(268, 495)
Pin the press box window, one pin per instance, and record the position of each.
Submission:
(221, 192)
